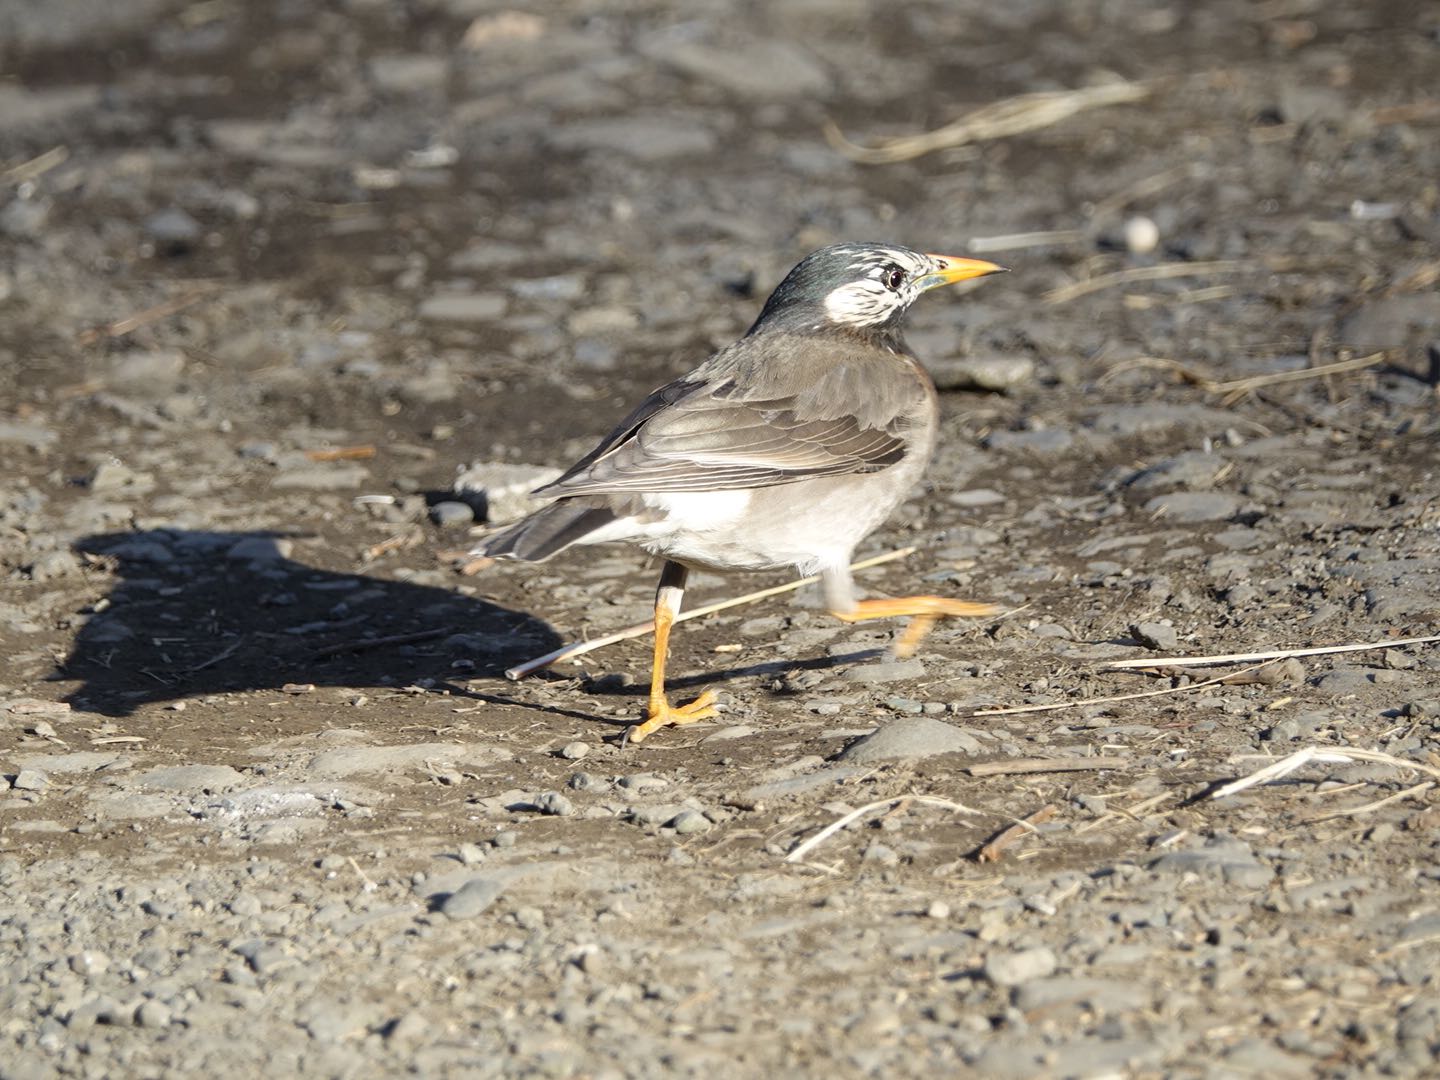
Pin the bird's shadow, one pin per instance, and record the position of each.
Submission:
(195, 613)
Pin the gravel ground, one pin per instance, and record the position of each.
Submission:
(274, 275)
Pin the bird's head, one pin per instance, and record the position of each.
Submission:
(861, 286)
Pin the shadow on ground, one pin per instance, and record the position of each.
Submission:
(197, 613)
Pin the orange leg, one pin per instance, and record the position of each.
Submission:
(924, 611)
(661, 713)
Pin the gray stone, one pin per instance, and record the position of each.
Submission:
(504, 487)
(554, 804)
(641, 783)
(762, 68)
(1043, 441)
(1223, 857)
(908, 738)
(1301, 726)
(796, 786)
(153, 1014)
(886, 671)
(883, 854)
(1015, 968)
(24, 218)
(473, 898)
(996, 373)
(1190, 470)
(26, 433)
(146, 370)
(688, 822)
(1126, 420)
(470, 854)
(409, 73)
(647, 135)
(1112, 996)
(172, 227)
(1193, 506)
(1156, 635)
(1394, 322)
(361, 759)
(330, 476)
(112, 477)
(30, 780)
(261, 549)
(464, 307)
(977, 497)
(1258, 1057)
(189, 778)
(451, 514)
(563, 287)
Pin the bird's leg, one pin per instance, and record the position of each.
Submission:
(661, 713)
(924, 610)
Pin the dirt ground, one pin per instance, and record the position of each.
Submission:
(272, 273)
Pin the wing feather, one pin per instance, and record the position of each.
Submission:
(706, 433)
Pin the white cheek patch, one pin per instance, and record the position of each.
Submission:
(861, 303)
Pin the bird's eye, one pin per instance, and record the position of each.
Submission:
(894, 277)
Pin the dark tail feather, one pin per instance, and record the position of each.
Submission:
(546, 532)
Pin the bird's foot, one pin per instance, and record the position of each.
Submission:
(663, 714)
(924, 611)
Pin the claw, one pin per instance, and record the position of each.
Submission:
(665, 715)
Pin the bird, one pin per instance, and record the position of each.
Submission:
(781, 451)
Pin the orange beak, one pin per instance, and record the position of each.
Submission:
(949, 269)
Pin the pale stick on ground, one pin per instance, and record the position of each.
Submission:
(854, 815)
(1270, 654)
(1057, 705)
(1283, 767)
(579, 648)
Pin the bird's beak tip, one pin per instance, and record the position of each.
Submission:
(952, 269)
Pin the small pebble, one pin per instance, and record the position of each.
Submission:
(555, 804)
(882, 854)
(472, 898)
(31, 780)
(1142, 235)
(690, 821)
(470, 854)
(1014, 968)
(152, 1014)
(574, 751)
(643, 782)
(448, 514)
(89, 962)
(1156, 635)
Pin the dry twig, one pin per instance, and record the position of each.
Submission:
(1056, 706)
(1075, 290)
(884, 804)
(1371, 807)
(1253, 382)
(1010, 116)
(579, 648)
(980, 245)
(992, 851)
(35, 167)
(1283, 767)
(121, 327)
(1273, 654)
(362, 644)
(341, 453)
(1020, 766)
